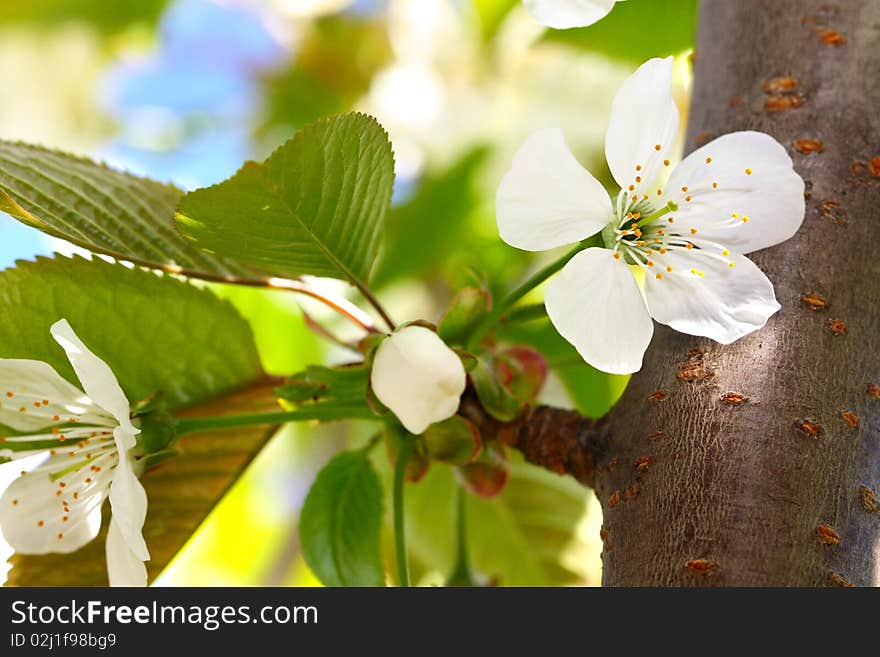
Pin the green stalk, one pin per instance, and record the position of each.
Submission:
(193, 424)
(461, 573)
(534, 281)
(403, 454)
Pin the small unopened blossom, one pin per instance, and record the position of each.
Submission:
(418, 377)
(563, 14)
(87, 439)
(683, 230)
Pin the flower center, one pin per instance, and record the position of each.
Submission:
(644, 233)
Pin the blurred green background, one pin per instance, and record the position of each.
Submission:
(185, 90)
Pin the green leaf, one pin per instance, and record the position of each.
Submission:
(316, 206)
(157, 333)
(341, 521)
(101, 209)
(532, 534)
(637, 30)
(331, 393)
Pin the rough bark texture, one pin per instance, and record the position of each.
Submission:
(740, 465)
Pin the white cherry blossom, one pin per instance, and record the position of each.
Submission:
(686, 227)
(418, 377)
(563, 14)
(87, 439)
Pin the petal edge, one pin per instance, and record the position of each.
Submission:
(595, 304)
(548, 199)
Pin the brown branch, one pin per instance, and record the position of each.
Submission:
(560, 440)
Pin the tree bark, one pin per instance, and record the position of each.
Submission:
(740, 465)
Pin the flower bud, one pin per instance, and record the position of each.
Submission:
(418, 377)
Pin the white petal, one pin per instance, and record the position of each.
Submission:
(128, 500)
(33, 515)
(595, 304)
(124, 568)
(96, 377)
(548, 199)
(643, 116)
(563, 14)
(724, 304)
(31, 382)
(771, 196)
(418, 377)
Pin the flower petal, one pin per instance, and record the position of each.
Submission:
(744, 173)
(595, 304)
(38, 516)
(27, 384)
(563, 14)
(548, 199)
(128, 500)
(97, 378)
(418, 377)
(724, 304)
(643, 117)
(124, 568)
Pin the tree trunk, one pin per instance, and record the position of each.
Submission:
(755, 464)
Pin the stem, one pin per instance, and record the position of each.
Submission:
(534, 281)
(403, 454)
(194, 424)
(373, 301)
(526, 313)
(461, 572)
(339, 305)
